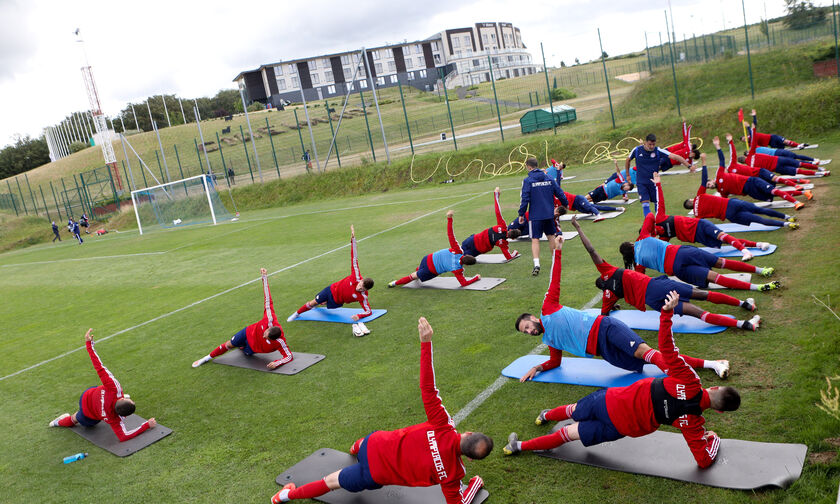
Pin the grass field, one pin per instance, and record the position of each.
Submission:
(235, 430)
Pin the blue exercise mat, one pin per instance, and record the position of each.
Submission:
(649, 321)
(580, 371)
(340, 315)
(731, 227)
(730, 251)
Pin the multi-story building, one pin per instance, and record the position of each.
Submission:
(459, 56)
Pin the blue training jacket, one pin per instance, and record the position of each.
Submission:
(648, 162)
(538, 191)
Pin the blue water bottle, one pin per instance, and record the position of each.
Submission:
(73, 458)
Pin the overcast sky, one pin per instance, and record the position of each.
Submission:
(194, 48)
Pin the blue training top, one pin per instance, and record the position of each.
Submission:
(613, 188)
(648, 162)
(650, 253)
(445, 260)
(766, 150)
(538, 191)
(551, 172)
(568, 329)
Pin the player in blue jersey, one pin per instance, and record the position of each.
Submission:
(649, 158)
(538, 193)
(444, 260)
(586, 335)
(616, 185)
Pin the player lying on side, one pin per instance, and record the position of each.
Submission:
(609, 414)
(350, 289)
(768, 140)
(581, 204)
(105, 403)
(444, 260)
(616, 185)
(496, 236)
(586, 335)
(421, 455)
(640, 291)
(265, 336)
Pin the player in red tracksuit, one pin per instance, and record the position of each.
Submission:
(690, 229)
(641, 291)
(685, 148)
(496, 236)
(768, 140)
(350, 289)
(421, 455)
(265, 336)
(106, 403)
(609, 414)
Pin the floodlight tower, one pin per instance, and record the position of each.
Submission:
(99, 119)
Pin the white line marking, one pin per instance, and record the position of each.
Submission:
(231, 289)
(501, 380)
(80, 259)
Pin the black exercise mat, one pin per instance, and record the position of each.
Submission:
(326, 461)
(258, 362)
(102, 436)
(740, 465)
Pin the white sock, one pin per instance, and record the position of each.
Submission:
(536, 261)
(754, 287)
(740, 323)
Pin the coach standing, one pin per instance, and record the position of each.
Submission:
(538, 192)
(650, 158)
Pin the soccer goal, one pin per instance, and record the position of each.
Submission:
(193, 200)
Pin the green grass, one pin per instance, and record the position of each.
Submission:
(235, 430)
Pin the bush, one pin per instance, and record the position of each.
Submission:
(560, 94)
(77, 146)
(256, 107)
(474, 87)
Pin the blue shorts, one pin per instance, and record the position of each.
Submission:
(325, 296)
(647, 191)
(707, 234)
(240, 340)
(777, 141)
(617, 343)
(660, 286)
(759, 189)
(356, 477)
(692, 265)
(80, 416)
(594, 423)
(536, 228)
(468, 246)
(598, 194)
(423, 271)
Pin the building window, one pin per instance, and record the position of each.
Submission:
(380, 81)
(328, 76)
(434, 46)
(484, 38)
(315, 79)
(292, 69)
(295, 82)
(418, 49)
(467, 40)
(493, 38)
(325, 63)
(351, 87)
(393, 79)
(375, 55)
(278, 70)
(456, 42)
(410, 76)
(378, 67)
(363, 84)
(281, 84)
(422, 74)
(345, 60)
(409, 63)
(331, 89)
(392, 66)
(476, 63)
(347, 74)
(437, 59)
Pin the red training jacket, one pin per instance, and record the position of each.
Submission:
(344, 291)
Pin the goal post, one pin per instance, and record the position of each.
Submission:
(179, 203)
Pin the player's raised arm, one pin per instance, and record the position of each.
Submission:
(435, 411)
(597, 259)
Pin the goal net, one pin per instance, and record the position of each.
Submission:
(180, 203)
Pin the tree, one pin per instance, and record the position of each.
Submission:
(562, 64)
(23, 155)
(802, 14)
(577, 61)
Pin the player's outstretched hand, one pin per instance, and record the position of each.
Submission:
(703, 157)
(656, 177)
(521, 219)
(529, 375)
(355, 317)
(711, 434)
(575, 223)
(716, 141)
(497, 190)
(89, 335)
(273, 364)
(449, 214)
(152, 423)
(752, 112)
(425, 330)
(263, 271)
(671, 301)
(729, 137)
(558, 242)
(352, 231)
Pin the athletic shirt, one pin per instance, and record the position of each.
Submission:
(648, 162)
(741, 169)
(656, 254)
(766, 150)
(425, 454)
(613, 188)
(706, 205)
(254, 332)
(445, 260)
(344, 291)
(571, 199)
(622, 283)
(494, 236)
(729, 183)
(636, 410)
(764, 161)
(537, 191)
(98, 402)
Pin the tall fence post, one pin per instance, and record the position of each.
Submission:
(405, 115)
(271, 141)
(180, 169)
(332, 132)
(647, 53)
(836, 50)
(55, 200)
(548, 90)
(13, 197)
(606, 78)
(46, 208)
(673, 68)
(245, 146)
(747, 39)
(367, 123)
(496, 97)
(64, 197)
(303, 149)
(251, 132)
(224, 165)
(31, 195)
(448, 109)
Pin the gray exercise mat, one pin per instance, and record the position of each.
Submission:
(681, 171)
(744, 277)
(495, 258)
(816, 175)
(791, 188)
(775, 204)
(103, 436)
(567, 235)
(740, 465)
(618, 201)
(451, 283)
(326, 461)
(607, 215)
(258, 362)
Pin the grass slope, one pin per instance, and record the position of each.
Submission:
(236, 430)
